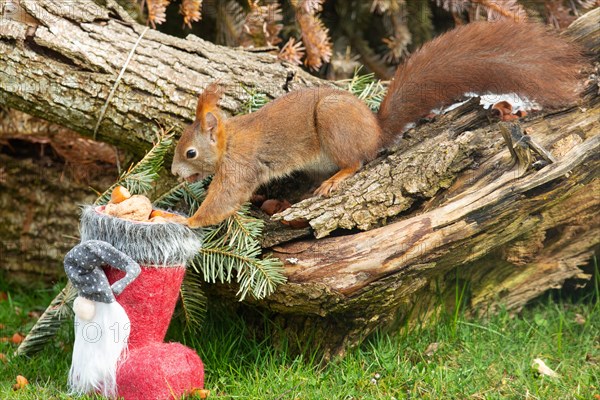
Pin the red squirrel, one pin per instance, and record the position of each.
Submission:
(331, 130)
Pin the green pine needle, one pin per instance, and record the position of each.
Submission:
(230, 250)
(242, 230)
(260, 277)
(193, 301)
(191, 194)
(233, 246)
(49, 323)
(366, 88)
(256, 101)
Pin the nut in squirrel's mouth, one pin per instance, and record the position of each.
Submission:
(193, 178)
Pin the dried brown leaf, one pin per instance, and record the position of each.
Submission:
(310, 6)
(497, 9)
(21, 383)
(432, 349)
(201, 393)
(17, 338)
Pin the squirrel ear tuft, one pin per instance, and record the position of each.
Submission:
(208, 99)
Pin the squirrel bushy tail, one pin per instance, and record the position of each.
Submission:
(482, 57)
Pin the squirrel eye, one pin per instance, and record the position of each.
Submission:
(191, 153)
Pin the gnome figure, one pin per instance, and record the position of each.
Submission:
(128, 275)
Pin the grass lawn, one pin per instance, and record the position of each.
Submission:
(454, 358)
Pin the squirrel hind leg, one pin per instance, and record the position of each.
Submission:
(332, 184)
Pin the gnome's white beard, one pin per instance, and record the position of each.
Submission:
(100, 344)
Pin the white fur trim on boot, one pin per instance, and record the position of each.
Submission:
(100, 343)
(159, 245)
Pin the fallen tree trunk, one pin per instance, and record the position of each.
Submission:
(447, 202)
(503, 233)
(452, 213)
(60, 62)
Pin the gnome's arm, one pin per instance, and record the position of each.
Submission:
(83, 266)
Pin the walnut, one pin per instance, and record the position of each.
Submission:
(135, 208)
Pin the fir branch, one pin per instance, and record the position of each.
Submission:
(50, 322)
(217, 263)
(193, 301)
(192, 194)
(497, 9)
(256, 101)
(453, 6)
(366, 88)
(292, 52)
(139, 178)
(262, 25)
(400, 38)
(315, 37)
(233, 246)
(242, 231)
(308, 6)
(260, 278)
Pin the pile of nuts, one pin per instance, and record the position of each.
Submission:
(138, 208)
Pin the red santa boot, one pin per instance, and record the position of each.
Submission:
(153, 369)
(149, 369)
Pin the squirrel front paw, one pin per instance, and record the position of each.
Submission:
(210, 214)
(199, 221)
(193, 223)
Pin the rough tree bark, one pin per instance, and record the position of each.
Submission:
(40, 194)
(60, 61)
(447, 201)
(505, 233)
